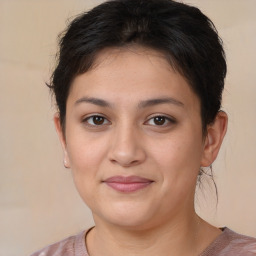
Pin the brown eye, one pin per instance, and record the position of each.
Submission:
(159, 120)
(96, 120)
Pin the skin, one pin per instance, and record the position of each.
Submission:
(159, 219)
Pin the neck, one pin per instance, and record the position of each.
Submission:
(179, 237)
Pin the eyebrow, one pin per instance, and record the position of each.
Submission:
(95, 101)
(165, 100)
(142, 104)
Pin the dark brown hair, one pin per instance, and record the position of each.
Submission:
(186, 37)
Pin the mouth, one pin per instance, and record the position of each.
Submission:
(127, 184)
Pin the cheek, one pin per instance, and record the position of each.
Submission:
(178, 151)
(86, 155)
(85, 161)
(178, 158)
(178, 163)
(83, 148)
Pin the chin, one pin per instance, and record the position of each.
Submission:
(127, 216)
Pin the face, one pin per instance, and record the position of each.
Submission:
(133, 139)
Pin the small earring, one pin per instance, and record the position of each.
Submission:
(65, 164)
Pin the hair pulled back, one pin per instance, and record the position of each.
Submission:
(186, 37)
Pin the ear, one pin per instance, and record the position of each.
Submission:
(62, 139)
(214, 137)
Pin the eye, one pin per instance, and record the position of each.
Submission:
(95, 120)
(160, 121)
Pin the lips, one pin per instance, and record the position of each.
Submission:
(127, 184)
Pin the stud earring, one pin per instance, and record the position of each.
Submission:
(65, 164)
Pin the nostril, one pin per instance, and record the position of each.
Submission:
(125, 163)
(126, 150)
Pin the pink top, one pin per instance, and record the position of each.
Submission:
(228, 243)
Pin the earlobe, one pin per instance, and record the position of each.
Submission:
(62, 139)
(214, 138)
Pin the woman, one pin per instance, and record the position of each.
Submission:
(138, 87)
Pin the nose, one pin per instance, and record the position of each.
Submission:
(127, 147)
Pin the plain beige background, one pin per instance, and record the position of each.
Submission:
(38, 202)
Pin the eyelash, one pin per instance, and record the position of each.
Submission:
(94, 116)
(166, 119)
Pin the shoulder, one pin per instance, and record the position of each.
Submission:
(230, 243)
(245, 245)
(70, 246)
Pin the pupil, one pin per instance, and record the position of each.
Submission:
(98, 120)
(159, 120)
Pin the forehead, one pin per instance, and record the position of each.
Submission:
(134, 72)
